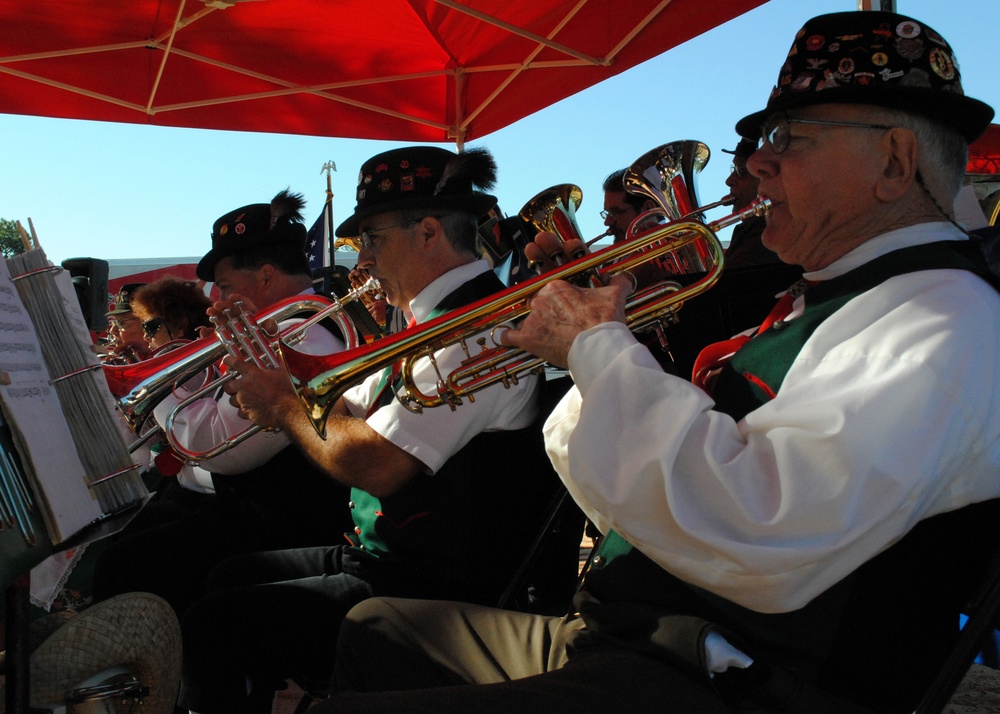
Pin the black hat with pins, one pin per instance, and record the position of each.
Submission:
(423, 178)
(876, 58)
(251, 227)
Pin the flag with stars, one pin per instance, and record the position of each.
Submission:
(318, 239)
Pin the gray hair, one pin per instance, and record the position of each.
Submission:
(461, 229)
(942, 154)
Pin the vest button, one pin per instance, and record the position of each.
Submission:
(779, 325)
(351, 504)
(598, 561)
(357, 529)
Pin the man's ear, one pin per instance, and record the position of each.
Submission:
(899, 169)
(266, 274)
(431, 231)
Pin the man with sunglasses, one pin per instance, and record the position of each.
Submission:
(267, 494)
(445, 502)
(801, 536)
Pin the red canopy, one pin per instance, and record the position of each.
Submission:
(408, 70)
(984, 153)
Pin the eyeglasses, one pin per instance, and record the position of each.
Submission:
(739, 171)
(613, 212)
(367, 238)
(151, 327)
(775, 131)
(122, 324)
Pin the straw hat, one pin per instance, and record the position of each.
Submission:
(136, 632)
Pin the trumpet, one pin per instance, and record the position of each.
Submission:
(320, 381)
(139, 388)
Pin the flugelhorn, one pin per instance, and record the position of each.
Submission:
(320, 381)
(139, 388)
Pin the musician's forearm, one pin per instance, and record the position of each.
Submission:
(352, 453)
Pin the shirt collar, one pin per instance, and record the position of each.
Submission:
(918, 234)
(427, 299)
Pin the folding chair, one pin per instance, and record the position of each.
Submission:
(984, 616)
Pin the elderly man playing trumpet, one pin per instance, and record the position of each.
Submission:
(801, 538)
(431, 492)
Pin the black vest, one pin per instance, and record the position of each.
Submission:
(461, 531)
(878, 636)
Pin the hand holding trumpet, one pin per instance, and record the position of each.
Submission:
(560, 310)
(259, 393)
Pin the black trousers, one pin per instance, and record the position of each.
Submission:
(276, 615)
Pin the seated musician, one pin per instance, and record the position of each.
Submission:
(267, 493)
(126, 339)
(799, 538)
(433, 493)
(170, 311)
(745, 247)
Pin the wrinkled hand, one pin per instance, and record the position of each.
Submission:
(561, 311)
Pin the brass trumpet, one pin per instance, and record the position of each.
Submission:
(320, 381)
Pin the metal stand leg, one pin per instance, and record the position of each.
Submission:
(17, 686)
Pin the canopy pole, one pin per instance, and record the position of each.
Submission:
(458, 128)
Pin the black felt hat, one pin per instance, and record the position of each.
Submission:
(423, 178)
(250, 227)
(744, 148)
(878, 58)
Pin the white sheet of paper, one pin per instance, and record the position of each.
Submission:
(32, 408)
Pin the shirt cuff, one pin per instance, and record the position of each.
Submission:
(594, 349)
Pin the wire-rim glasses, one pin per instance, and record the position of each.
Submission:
(775, 131)
(367, 238)
(614, 211)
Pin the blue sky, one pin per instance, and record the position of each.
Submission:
(127, 191)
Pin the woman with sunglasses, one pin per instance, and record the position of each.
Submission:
(173, 310)
(170, 309)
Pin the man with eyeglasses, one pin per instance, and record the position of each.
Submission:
(801, 536)
(620, 206)
(745, 247)
(125, 329)
(267, 494)
(432, 492)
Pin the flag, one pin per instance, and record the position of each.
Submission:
(318, 239)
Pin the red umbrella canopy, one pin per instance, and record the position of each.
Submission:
(408, 70)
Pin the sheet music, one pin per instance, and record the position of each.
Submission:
(35, 416)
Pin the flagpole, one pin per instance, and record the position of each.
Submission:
(329, 167)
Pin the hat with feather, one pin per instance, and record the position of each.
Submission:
(423, 178)
(252, 227)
